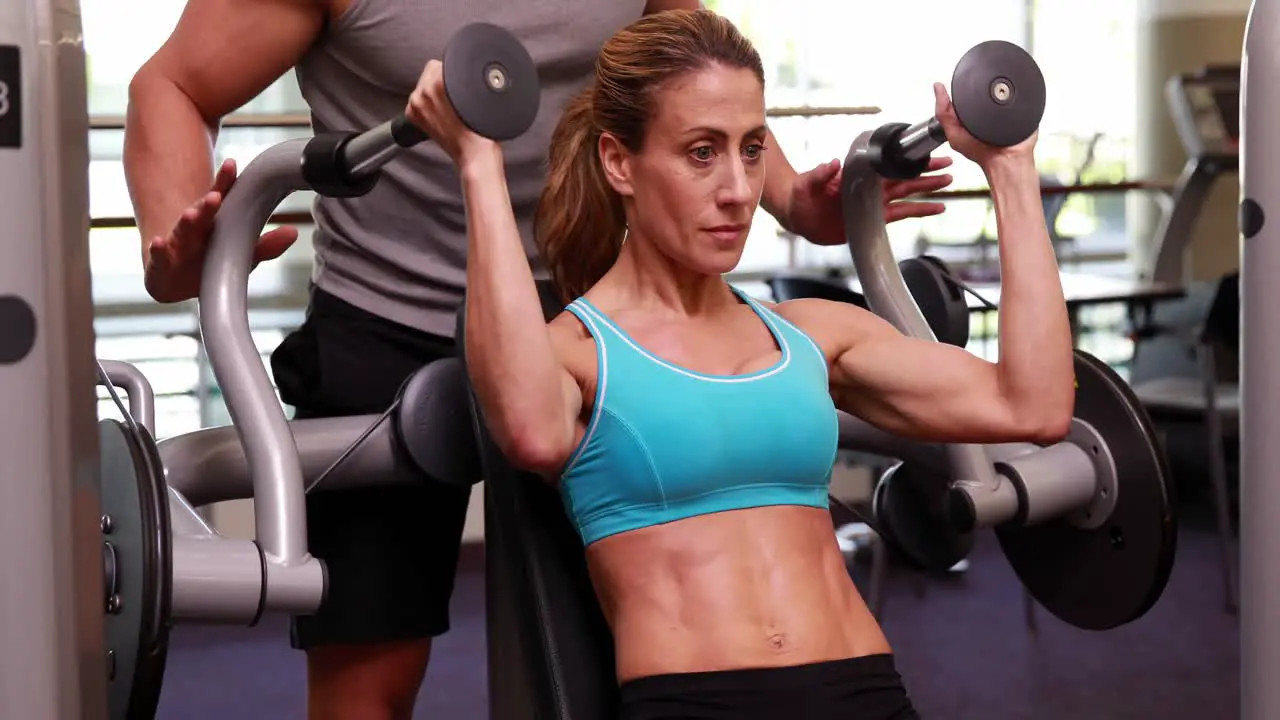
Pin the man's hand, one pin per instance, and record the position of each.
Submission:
(174, 263)
(814, 210)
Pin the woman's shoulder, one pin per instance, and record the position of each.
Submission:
(813, 311)
(567, 328)
(833, 325)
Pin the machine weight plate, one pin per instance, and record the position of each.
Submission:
(137, 569)
(492, 81)
(998, 93)
(1098, 576)
(940, 299)
(910, 510)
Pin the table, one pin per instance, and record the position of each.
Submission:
(1083, 290)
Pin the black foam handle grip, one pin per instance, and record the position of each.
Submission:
(405, 133)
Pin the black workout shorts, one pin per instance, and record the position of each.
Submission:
(391, 552)
(863, 688)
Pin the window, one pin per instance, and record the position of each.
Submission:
(185, 395)
(823, 54)
(1091, 103)
(818, 53)
(119, 37)
(888, 55)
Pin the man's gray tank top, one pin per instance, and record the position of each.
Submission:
(400, 251)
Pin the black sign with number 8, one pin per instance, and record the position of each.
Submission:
(10, 96)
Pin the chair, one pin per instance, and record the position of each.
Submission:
(1183, 371)
(941, 302)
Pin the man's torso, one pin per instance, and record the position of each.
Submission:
(400, 251)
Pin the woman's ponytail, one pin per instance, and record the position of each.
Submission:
(579, 223)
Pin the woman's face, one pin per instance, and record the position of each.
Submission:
(695, 184)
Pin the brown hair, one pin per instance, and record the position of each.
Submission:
(579, 222)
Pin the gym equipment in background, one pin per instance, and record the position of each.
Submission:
(1205, 108)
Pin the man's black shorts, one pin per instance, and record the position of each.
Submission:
(391, 552)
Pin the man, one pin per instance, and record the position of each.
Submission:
(389, 269)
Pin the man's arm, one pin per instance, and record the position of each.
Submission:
(222, 54)
(779, 181)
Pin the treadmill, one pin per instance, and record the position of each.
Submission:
(1205, 107)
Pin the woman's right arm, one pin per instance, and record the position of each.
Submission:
(530, 401)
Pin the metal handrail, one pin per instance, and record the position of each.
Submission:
(304, 218)
(235, 120)
(1083, 189)
(303, 120)
(281, 218)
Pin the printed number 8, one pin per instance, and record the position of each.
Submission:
(4, 98)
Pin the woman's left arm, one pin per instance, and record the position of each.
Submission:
(934, 391)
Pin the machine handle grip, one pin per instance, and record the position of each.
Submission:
(406, 134)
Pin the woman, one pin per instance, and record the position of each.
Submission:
(691, 428)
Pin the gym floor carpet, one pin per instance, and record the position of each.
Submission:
(962, 647)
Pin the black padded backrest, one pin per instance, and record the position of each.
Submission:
(550, 650)
(792, 287)
(939, 297)
(941, 303)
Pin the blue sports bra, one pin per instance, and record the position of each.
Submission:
(665, 443)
